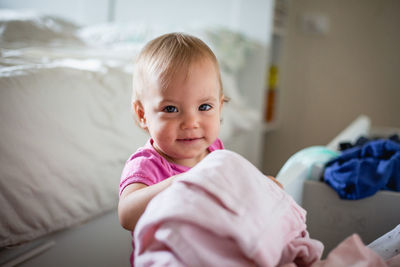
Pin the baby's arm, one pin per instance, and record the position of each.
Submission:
(134, 199)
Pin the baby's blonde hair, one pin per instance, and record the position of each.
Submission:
(164, 57)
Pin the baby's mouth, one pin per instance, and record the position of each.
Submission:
(190, 139)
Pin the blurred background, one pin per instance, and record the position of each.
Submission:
(297, 72)
(335, 60)
(339, 60)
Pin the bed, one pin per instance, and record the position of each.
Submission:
(66, 131)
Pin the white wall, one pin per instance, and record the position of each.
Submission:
(328, 80)
(83, 12)
(250, 16)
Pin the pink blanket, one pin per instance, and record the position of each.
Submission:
(224, 212)
(353, 252)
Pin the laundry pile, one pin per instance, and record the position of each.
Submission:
(365, 167)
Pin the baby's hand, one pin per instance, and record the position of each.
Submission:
(275, 181)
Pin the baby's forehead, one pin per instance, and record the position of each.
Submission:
(176, 75)
(181, 73)
(185, 67)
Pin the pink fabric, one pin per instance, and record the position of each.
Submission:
(224, 212)
(352, 252)
(394, 261)
(148, 167)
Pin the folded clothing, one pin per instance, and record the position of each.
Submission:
(361, 171)
(224, 212)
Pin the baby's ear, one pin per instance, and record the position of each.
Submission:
(222, 100)
(140, 115)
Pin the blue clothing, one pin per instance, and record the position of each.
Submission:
(362, 140)
(361, 171)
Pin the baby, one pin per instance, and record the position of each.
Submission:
(177, 98)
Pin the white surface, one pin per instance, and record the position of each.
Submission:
(19, 258)
(99, 242)
(66, 133)
(304, 165)
(388, 245)
(359, 127)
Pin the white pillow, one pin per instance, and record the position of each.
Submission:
(27, 28)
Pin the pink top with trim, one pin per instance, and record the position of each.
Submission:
(148, 167)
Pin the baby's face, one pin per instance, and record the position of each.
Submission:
(184, 119)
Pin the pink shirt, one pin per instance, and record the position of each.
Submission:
(148, 167)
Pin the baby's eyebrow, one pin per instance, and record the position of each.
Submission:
(211, 99)
(169, 101)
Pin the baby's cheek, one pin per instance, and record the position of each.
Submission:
(166, 135)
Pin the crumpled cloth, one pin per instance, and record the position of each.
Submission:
(353, 252)
(360, 172)
(224, 212)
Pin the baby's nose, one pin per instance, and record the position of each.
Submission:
(190, 121)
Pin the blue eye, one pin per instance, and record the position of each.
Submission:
(205, 107)
(170, 109)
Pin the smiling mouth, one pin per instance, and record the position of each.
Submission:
(189, 139)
